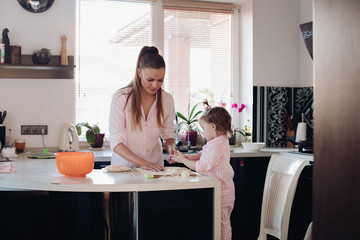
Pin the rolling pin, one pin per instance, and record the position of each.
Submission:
(152, 176)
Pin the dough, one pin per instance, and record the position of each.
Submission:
(116, 168)
(185, 173)
(177, 171)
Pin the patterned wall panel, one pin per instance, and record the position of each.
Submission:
(272, 104)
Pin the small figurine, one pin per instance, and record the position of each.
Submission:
(63, 55)
(6, 41)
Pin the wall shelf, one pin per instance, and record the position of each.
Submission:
(29, 70)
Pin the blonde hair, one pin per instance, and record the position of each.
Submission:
(149, 57)
(220, 117)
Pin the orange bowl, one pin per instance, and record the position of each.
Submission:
(74, 164)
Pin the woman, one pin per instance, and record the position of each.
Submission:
(140, 114)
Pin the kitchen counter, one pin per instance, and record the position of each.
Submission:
(236, 151)
(42, 175)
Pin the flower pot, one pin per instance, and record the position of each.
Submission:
(193, 137)
(99, 140)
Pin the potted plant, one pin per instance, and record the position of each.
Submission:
(232, 140)
(93, 135)
(239, 109)
(191, 124)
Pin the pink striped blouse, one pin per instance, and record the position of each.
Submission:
(144, 143)
(215, 162)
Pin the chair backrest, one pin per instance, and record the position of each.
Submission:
(308, 234)
(280, 185)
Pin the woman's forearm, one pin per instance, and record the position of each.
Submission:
(124, 152)
(169, 145)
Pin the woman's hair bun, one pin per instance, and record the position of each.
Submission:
(151, 50)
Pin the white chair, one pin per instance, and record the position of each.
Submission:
(308, 232)
(280, 185)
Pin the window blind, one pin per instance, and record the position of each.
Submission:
(198, 51)
(196, 40)
(110, 37)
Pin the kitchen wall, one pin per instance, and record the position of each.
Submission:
(306, 63)
(38, 101)
(278, 58)
(272, 104)
(280, 55)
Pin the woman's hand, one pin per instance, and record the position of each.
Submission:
(181, 158)
(151, 166)
(169, 145)
(178, 157)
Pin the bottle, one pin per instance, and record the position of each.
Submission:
(2, 53)
(6, 41)
(247, 129)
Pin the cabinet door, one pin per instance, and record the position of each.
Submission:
(176, 214)
(249, 179)
(100, 165)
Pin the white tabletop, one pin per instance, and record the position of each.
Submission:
(41, 174)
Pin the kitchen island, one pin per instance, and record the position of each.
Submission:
(41, 176)
(146, 207)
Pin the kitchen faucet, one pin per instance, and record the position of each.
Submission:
(177, 141)
(188, 142)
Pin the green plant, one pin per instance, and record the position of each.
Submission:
(241, 131)
(191, 120)
(90, 132)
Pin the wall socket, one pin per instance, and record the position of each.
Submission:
(34, 129)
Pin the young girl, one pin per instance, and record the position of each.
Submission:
(214, 160)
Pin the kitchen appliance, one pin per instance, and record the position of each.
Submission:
(68, 141)
(2, 136)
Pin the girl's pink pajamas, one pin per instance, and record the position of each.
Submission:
(215, 162)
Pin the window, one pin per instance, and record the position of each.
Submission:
(195, 38)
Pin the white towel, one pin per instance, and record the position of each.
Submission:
(8, 167)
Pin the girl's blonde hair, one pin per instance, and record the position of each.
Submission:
(220, 117)
(149, 57)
